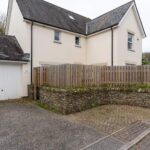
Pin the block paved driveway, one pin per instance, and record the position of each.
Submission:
(25, 126)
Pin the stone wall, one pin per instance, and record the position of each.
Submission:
(75, 100)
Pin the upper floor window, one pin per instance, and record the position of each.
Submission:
(77, 41)
(130, 41)
(57, 35)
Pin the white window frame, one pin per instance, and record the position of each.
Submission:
(55, 40)
(131, 42)
(78, 45)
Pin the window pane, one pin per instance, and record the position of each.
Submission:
(130, 37)
(129, 45)
(130, 41)
(77, 40)
(57, 36)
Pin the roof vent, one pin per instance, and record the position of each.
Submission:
(71, 17)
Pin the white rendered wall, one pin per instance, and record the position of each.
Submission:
(21, 30)
(123, 54)
(99, 49)
(46, 51)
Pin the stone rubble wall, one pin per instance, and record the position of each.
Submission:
(76, 100)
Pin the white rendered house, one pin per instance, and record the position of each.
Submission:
(53, 35)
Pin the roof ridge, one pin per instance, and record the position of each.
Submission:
(65, 9)
(132, 1)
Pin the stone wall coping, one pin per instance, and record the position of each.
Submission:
(88, 89)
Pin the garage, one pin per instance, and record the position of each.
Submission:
(12, 59)
(10, 81)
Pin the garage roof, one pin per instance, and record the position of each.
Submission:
(11, 50)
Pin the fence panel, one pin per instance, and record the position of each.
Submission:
(69, 75)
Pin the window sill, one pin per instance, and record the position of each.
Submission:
(78, 46)
(57, 42)
(131, 50)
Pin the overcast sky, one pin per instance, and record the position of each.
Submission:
(95, 8)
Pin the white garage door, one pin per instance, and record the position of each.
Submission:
(10, 81)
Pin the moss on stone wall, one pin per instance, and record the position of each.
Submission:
(71, 100)
(128, 88)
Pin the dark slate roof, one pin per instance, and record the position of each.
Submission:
(109, 19)
(49, 14)
(46, 13)
(11, 50)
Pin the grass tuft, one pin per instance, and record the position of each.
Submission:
(46, 107)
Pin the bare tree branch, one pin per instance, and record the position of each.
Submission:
(2, 23)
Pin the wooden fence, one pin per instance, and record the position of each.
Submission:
(68, 75)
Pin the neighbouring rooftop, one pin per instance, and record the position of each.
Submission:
(11, 50)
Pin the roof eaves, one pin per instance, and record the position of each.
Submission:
(14, 61)
(31, 20)
(115, 25)
(70, 30)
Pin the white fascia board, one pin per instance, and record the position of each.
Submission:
(108, 29)
(54, 28)
(125, 15)
(139, 21)
(137, 18)
(13, 62)
(73, 33)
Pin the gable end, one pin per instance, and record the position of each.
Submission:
(138, 19)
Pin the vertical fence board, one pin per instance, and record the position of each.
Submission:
(70, 75)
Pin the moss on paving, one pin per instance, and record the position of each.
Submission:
(46, 107)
